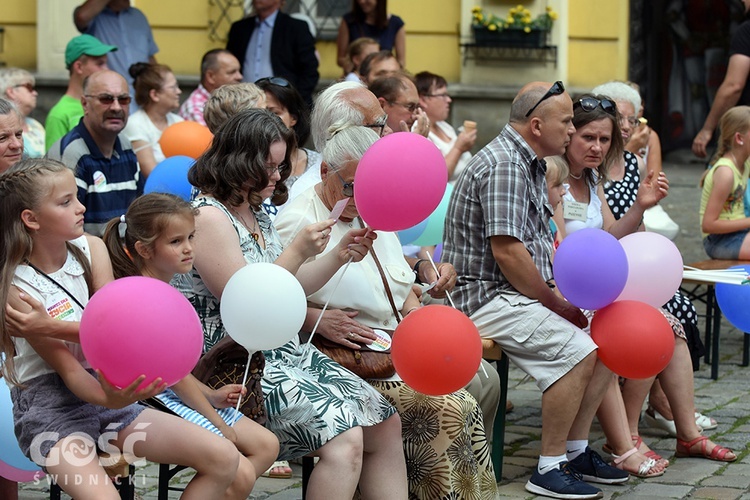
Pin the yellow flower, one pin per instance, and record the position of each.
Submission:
(510, 20)
(526, 20)
(512, 12)
(527, 29)
(553, 16)
(492, 27)
(476, 9)
(480, 17)
(519, 7)
(548, 8)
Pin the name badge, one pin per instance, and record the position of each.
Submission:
(575, 210)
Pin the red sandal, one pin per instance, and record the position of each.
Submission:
(637, 441)
(718, 453)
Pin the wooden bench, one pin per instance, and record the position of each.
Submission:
(692, 288)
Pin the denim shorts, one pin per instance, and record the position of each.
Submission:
(725, 246)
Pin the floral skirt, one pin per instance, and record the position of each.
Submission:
(447, 454)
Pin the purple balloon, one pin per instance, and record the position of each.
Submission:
(591, 268)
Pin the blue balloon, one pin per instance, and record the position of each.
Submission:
(407, 236)
(733, 301)
(170, 176)
(747, 202)
(433, 233)
(10, 453)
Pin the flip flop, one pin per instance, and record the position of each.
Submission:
(280, 464)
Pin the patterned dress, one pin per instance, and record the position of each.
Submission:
(309, 399)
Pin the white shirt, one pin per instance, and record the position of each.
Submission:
(141, 128)
(445, 148)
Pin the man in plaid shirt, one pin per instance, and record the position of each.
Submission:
(218, 67)
(497, 235)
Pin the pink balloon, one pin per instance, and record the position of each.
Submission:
(141, 326)
(654, 268)
(399, 181)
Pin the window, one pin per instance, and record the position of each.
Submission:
(324, 14)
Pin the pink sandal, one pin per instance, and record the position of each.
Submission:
(644, 469)
(718, 453)
(637, 441)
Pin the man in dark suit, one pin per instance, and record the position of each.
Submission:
(272, 43)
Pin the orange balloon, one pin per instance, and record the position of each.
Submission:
(635, 339)
(185, 138)
(436, 350)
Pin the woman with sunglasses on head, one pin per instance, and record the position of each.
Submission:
(594, 148)
(17, 86)
(158, 95)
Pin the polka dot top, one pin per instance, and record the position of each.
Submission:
(621, 194)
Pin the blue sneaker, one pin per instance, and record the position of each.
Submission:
(561, 483)
(594, 469)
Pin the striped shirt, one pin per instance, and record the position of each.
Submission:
(502, 192)
(106, 186)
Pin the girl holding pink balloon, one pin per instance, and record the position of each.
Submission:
(45, 254)
(157, 242)
(594, 148)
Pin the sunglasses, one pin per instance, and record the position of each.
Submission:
(275, 80)
(109, 99)
(557, 88)
(589, 104)
(348, 187)
(28, 86)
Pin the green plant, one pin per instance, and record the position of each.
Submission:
(518, 18)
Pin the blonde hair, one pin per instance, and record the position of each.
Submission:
(734, 121)
(228, 100)
(557, 170)
(23, 186)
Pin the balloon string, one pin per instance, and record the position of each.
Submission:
(447, 293)
(244, 381)
(325, 306)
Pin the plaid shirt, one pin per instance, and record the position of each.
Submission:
(192, 108)
(502, 192)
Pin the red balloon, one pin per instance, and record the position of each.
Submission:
(635, 339)
(436, 350)
(185, 138)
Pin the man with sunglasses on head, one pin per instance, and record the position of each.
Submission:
(497, 235)
(106, 168)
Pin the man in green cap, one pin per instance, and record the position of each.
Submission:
(84, 55)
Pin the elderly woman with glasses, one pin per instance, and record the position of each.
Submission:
(17, 86)
(436, 103)
(314, 406)
(595, 147)
(443, 437)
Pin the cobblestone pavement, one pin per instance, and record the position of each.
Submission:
(726, 399)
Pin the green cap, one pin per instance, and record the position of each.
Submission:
(85, 45)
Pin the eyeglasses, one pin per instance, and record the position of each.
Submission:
(557, 88)
(348, 187)
(279, 168)
(28, 86)
(109, 99)
(444, 95)
(411, 107)
(632, 120)
(275, 80)
(589, 104)
(379, 123)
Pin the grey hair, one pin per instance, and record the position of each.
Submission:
(333, 111)
(10, 77)
(346, 144)
(620, 91)
(7, 107)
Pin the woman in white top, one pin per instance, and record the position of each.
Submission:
(436, 103)
(158, 94)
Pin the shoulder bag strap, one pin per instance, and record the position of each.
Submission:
(382, 277)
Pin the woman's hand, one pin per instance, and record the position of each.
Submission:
(227, 396)
(652, 190)
(120, 398)
(355, 244)
(340, 326)
(313, 238)
(639, 140)
(466, 139)
(33, 322)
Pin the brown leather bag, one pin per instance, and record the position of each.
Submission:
(225, 364)
(363, 362)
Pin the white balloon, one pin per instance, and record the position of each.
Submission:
(263, 306)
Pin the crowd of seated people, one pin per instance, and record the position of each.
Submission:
(263, 193)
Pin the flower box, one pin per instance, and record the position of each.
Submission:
(510, 37)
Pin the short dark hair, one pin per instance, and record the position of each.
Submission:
(389, 87)
(424, 80)
(381, 13)
(210, 60)
(237, 159)
(375, 57)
